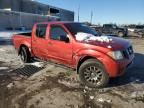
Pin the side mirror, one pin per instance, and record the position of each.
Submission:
(64, 38)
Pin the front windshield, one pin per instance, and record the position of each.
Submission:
(76, 28)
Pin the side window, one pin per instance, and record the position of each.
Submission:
(41, 30)
(56, 32)
(107, 26)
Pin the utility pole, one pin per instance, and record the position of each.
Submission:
(91, 17)
(78, 12)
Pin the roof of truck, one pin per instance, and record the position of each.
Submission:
(57, 22)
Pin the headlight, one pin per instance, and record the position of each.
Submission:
(117, 55)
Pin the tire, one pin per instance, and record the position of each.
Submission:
(140, 34)
(25, 55)
(120, 34)
(96, 77)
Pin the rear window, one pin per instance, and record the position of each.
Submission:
(41, 30)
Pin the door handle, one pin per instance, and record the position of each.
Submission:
(34, 40)
(50, 44)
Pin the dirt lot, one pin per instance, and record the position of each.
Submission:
(45, 85)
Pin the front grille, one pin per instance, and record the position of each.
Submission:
(128, 52)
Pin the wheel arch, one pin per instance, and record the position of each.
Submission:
(23, 45)
(83, 59)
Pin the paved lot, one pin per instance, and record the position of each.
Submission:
(44, 85)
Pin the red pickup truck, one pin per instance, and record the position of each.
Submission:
(95, 58)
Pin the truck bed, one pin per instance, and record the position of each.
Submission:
(28, 34)
(22, 39)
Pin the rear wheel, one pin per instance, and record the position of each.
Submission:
(93, 74)
(25, 55)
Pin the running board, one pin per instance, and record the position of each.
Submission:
(55, 64)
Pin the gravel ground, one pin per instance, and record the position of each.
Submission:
(45, 85)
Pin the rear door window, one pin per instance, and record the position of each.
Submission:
(41, 30)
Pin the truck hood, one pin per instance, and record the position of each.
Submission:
(113, 43)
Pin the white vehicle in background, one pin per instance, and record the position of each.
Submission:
(138, 30)
(131, 29)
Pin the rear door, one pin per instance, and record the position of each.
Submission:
(59, 51)
(40, 42)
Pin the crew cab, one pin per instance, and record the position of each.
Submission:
(95, 58)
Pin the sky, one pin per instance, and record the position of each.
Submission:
(104, 11)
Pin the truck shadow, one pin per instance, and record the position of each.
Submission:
(135, 74)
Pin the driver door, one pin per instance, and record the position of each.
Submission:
(59, 51)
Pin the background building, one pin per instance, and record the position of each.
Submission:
(15, 14)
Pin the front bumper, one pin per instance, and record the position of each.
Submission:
(117, 68)
(123, 69)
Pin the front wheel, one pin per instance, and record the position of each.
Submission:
(121, 34)
(93, 74)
